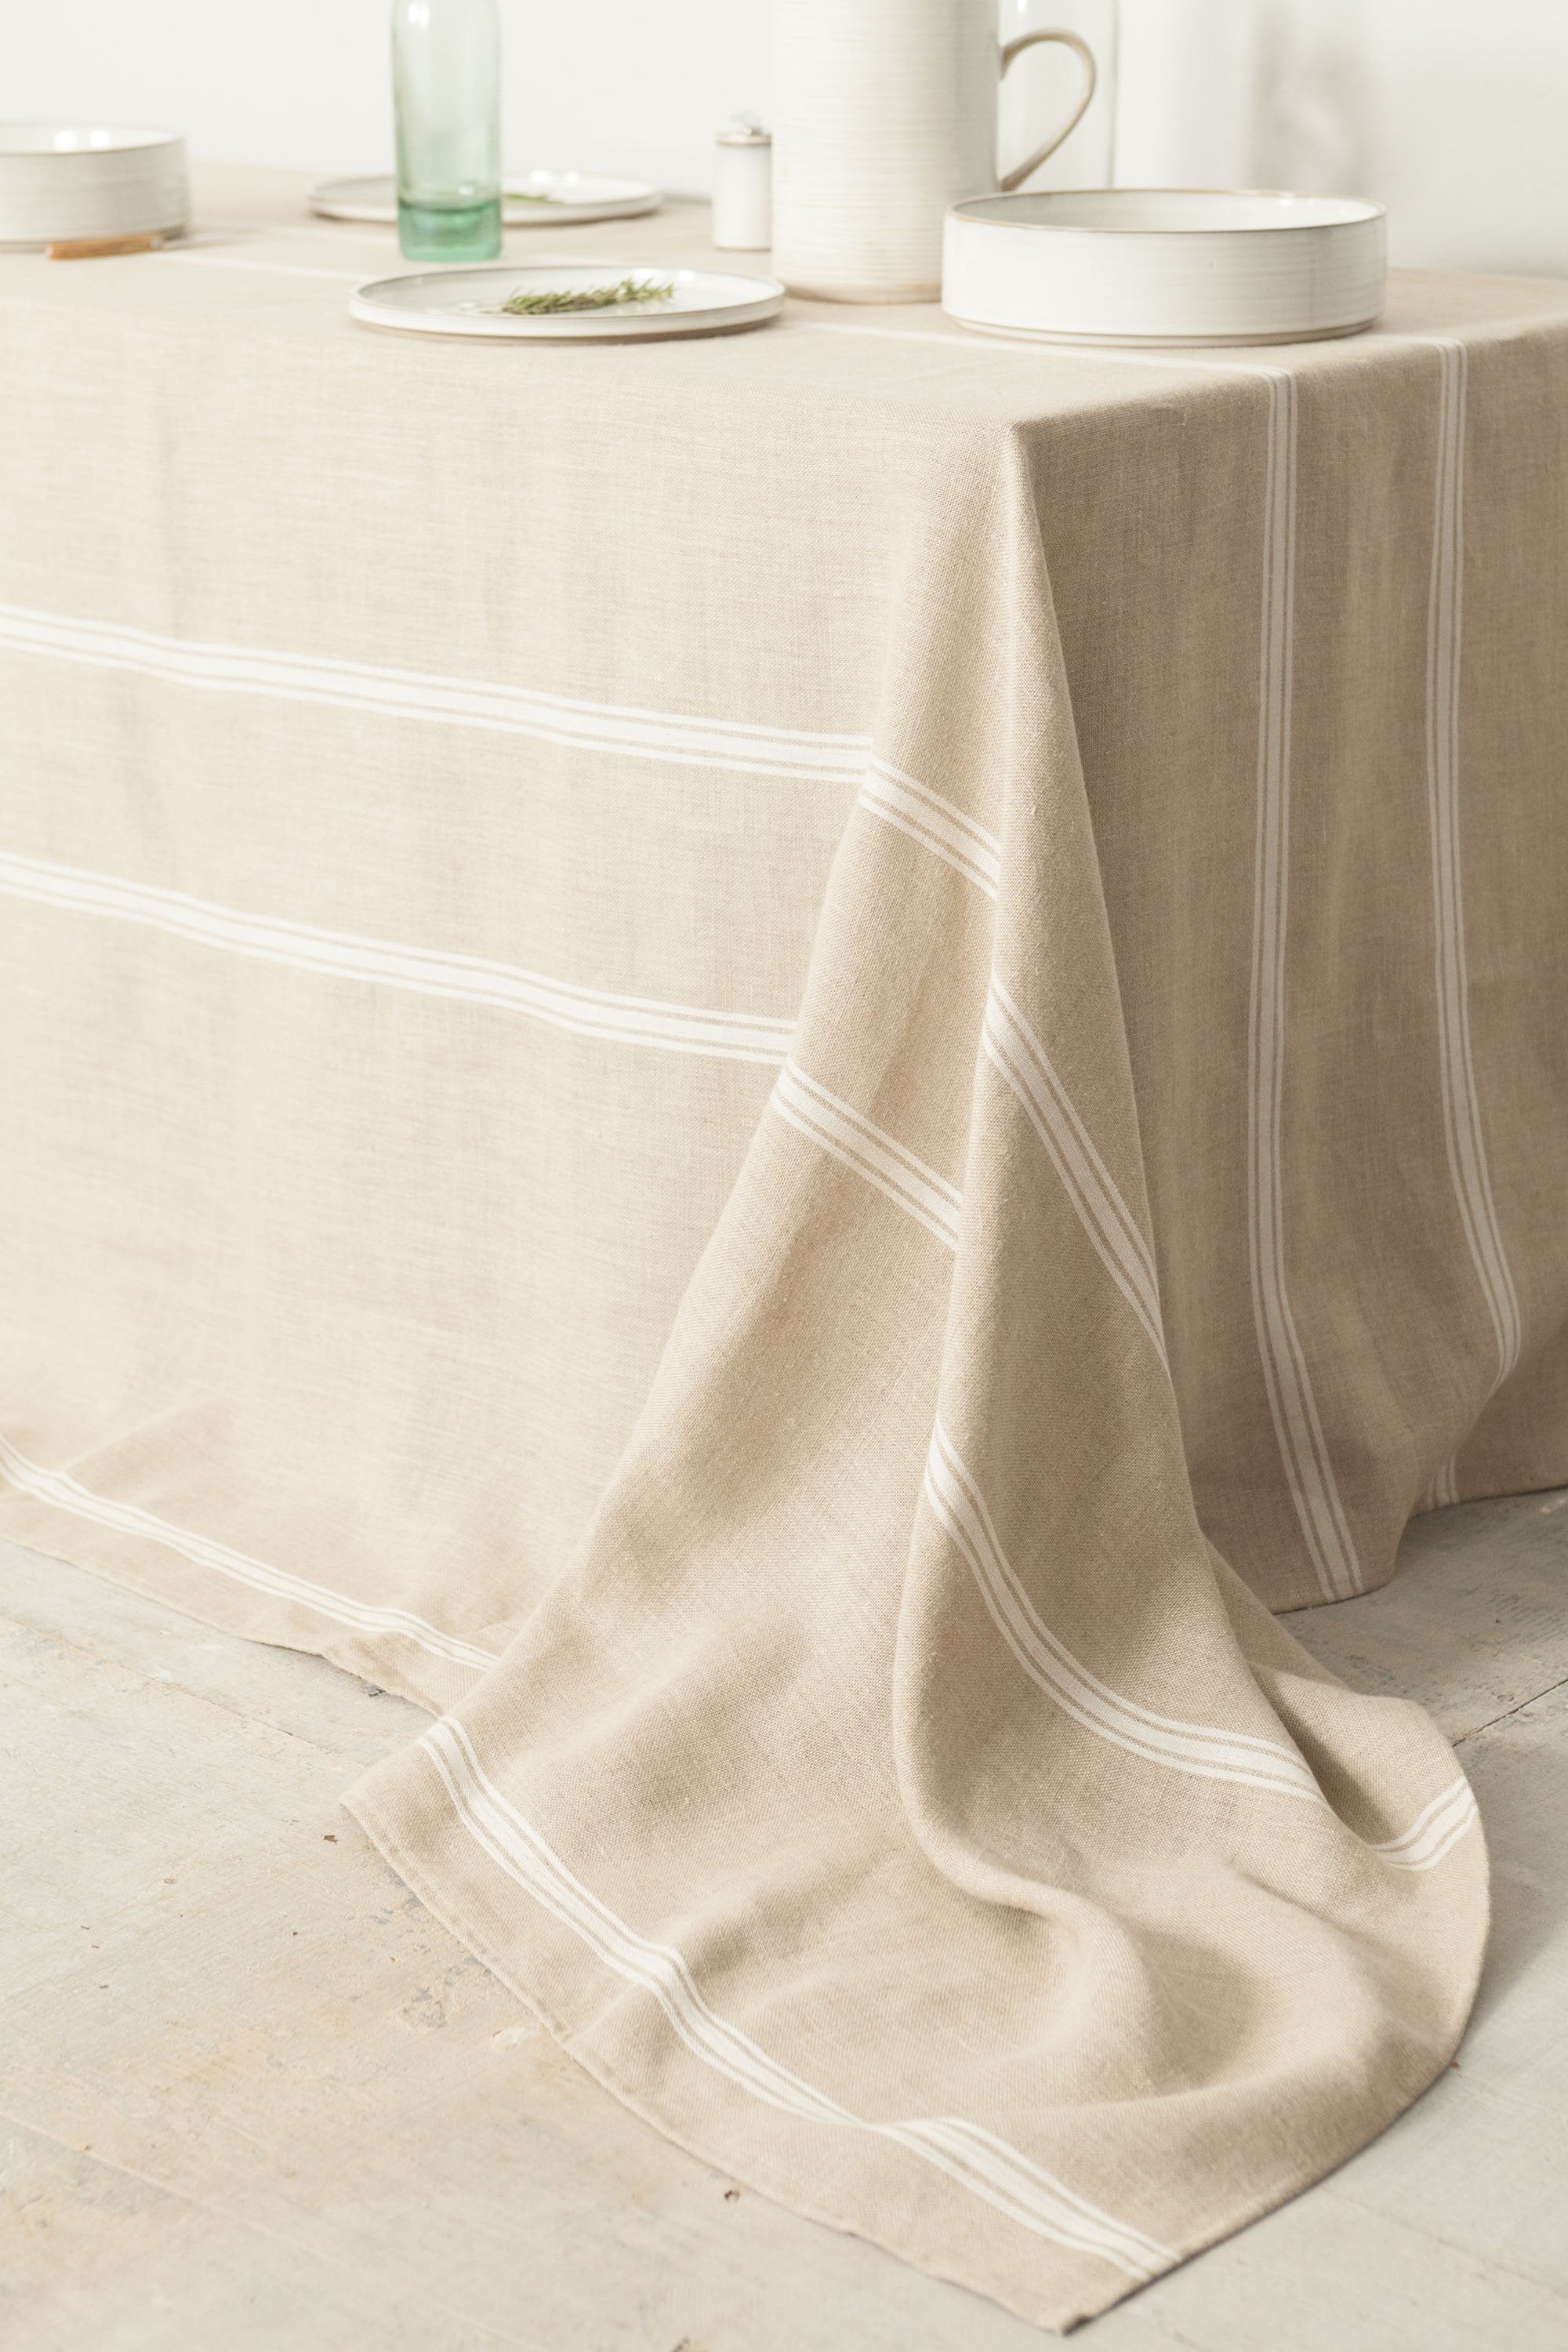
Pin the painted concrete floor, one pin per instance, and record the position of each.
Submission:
(227, 2123)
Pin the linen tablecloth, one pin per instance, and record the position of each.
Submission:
(786, 1066)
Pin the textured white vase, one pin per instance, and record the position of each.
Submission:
(884, 112)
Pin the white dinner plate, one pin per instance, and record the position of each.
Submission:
(530, 199)
(468, 302)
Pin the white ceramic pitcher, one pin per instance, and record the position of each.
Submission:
(884, 114)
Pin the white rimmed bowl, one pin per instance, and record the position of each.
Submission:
(65, 180)
(1164, 265)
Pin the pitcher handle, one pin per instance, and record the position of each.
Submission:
(1008, 180)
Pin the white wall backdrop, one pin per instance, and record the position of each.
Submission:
(1454, 114)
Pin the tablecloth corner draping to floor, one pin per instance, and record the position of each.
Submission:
(787, 1076)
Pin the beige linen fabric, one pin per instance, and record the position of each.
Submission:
(787, 1066)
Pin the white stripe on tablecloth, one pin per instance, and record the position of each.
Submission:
(841, 1132)
(64, 1491)
(1204, 1750)
(341, 955)
(1208, 1753)
(938, 824)
(1291, 1403)
(268, 269)
(1462, 1127)
(1435, 1831)
(452, 701)
(967, 2153)
(1015, 1051)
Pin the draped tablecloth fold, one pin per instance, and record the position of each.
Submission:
(788, 1068)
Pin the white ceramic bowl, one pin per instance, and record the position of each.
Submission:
(1164, 265)
(65, 180)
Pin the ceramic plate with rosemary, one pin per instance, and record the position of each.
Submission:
(569, 302)
(529, 200)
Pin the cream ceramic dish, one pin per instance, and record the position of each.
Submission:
(470, 302)
(528, 199)
(60, 181)
(1165, 266)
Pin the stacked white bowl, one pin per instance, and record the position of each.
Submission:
(66, 182)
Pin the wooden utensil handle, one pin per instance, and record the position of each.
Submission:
(96, 248)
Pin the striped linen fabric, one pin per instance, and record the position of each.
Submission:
(787, 1076)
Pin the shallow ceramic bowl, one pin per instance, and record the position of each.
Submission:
(1164, 265)
(59, 181)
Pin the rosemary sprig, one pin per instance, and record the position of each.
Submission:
(552, 299)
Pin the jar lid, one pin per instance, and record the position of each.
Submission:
(744, 131)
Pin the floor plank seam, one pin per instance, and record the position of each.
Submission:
(139, 1681)
(243, 2221)
(1485, 2262)
(1509, 1713)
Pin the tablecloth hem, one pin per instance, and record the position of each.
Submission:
(444, 1903)
(209, 1600)
(452, 1904)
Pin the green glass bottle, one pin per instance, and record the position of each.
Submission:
(446, 81)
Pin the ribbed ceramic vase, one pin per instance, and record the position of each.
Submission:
(884, 112)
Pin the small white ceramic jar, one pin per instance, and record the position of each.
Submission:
(743, 189)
